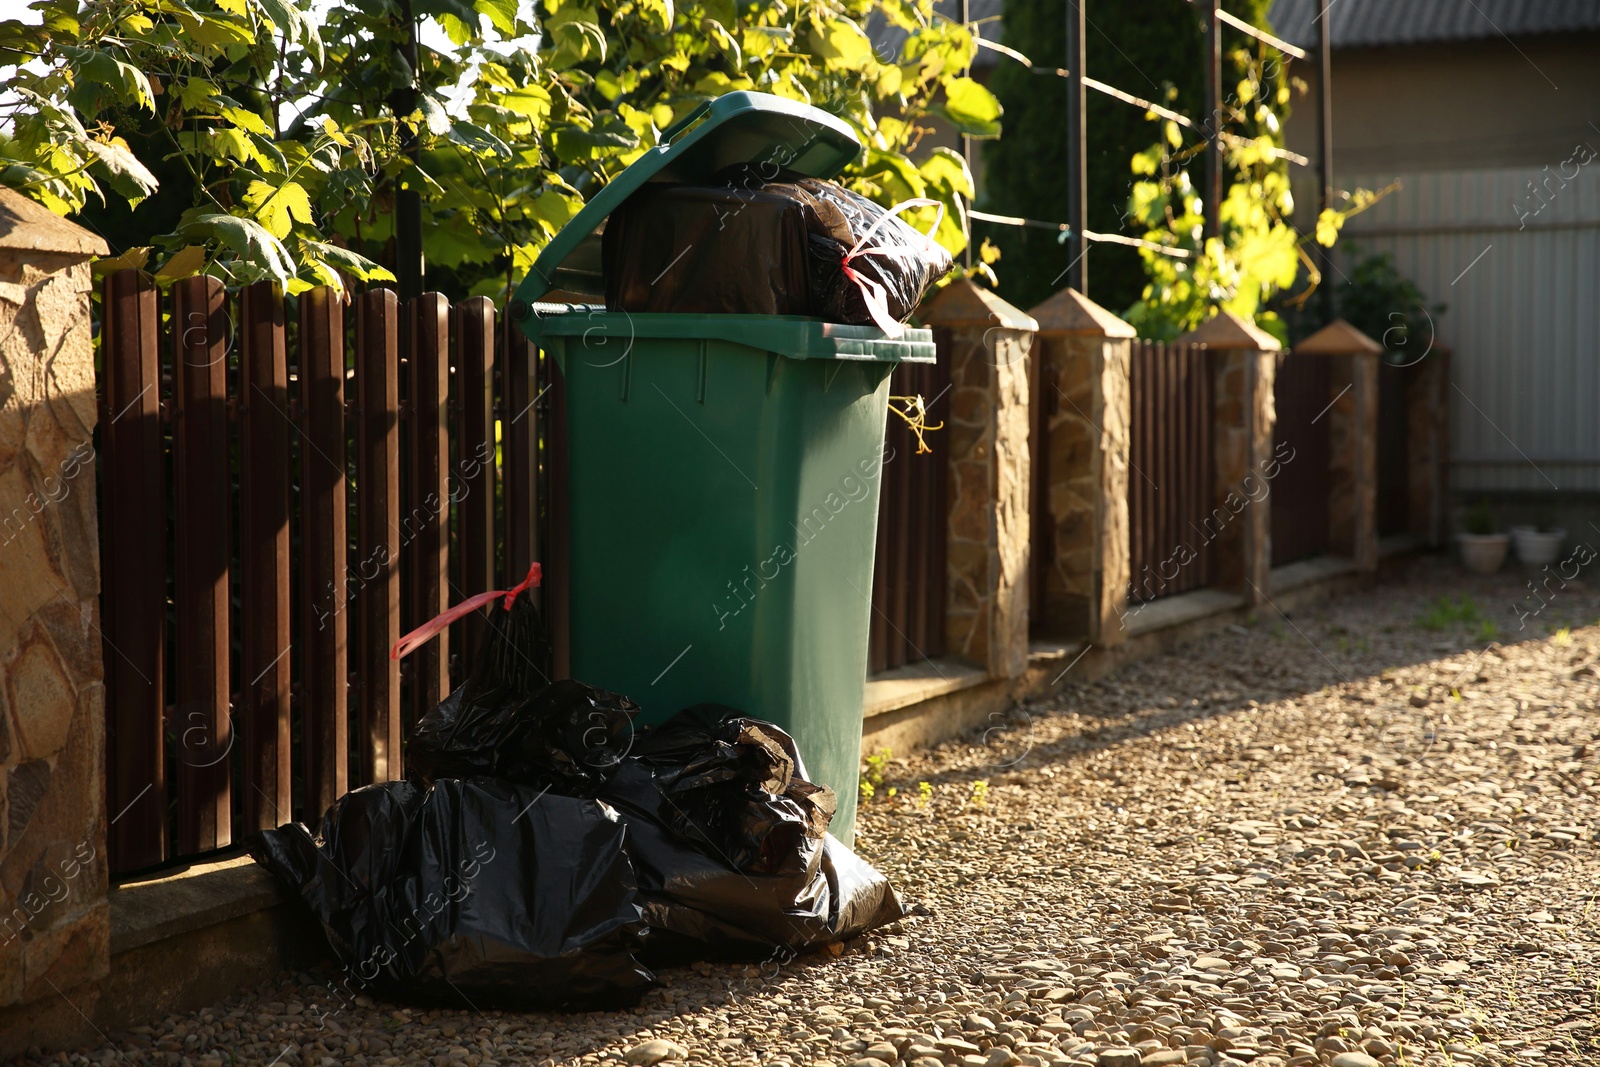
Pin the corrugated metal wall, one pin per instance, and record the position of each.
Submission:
(1515, 254)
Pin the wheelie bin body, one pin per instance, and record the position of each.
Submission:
(723, 471)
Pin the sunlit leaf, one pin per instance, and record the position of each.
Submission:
(1328, 224)
(971, 107)
(479, 139)
(122, 169)
(844, 45)
(294, 24)
(502, 15)
(278, 209)
(132, 259)
(193, 93)
(187, 261)
(945, 165)
(349, 262)
(434, 115)
(246, 120)
(247, 239)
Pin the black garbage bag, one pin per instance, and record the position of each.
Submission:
(731, 847)
(756, 240)
(737, 786)
(471, 893)
(510, 721)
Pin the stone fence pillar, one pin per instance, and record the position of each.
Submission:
(1080, 511)
(1245, 364)
(987, 342)
(1352, 439)
(54, 923)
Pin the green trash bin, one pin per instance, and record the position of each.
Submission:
(723, 470)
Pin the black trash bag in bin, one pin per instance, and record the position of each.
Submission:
(510, 721)
(757, 240)
(731, 846)
(472, 893)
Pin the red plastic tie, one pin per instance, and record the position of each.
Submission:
(872, 293)
(425, 633)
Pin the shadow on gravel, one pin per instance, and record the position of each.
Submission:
(1434, 613)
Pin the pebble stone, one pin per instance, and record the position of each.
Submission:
(653, 1052)
(1254, 850)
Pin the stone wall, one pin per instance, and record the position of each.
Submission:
(53, 916)
(1352, 439)
(1244, 360)
(1083, 354)
(988, 344)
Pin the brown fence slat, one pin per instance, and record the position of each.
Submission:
(263, 722)
(323, 549)
(201, 476)
(908, 580)
(1170, 475)
(1206, 475)
(938, 503)
(1184, 461)
(379, 538)
(473, 480)
(917, 487)
(428, 346)
(899, 561)
(1299, 517)
(1205, 437)
(133, 552)
(888, 578)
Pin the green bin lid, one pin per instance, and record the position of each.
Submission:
(741, 127)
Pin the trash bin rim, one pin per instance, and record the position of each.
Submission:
(705, 122)
(794, 336)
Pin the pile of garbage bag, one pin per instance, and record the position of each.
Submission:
(757, 240)
(546, 850)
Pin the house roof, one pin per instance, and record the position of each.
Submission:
(1368, 23)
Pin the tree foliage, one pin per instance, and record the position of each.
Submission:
(1152, 48)
(1258, 253)
(1155, 50)
(253, 139)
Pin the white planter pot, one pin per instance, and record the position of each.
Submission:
(1483, 553)
(1538, 548)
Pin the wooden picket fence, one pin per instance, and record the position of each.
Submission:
(1300, 397)
(908, 578)
(1172, 469)
(281, 497)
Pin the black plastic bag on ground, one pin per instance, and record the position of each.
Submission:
(759, 241)
(730, 845)
(510, 721)
(473, 893)
(737, 786)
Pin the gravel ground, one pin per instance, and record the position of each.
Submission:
(1361, 835)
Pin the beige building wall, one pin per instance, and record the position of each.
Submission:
(1496, 146)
